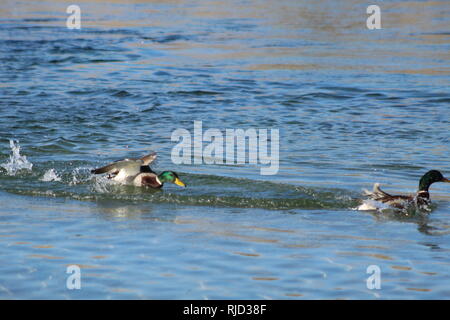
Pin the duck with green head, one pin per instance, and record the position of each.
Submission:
(421, 199)
(137, 172)
(153, 180)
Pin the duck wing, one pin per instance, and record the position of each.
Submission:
(149, 158)
(130, 166)
(393, 200)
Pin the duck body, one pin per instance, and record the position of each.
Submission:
(137, 172)
(420, 200)
(125, 171)
(147, 179)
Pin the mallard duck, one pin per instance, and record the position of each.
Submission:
(153, 180)
(421, 199)
(137, 172)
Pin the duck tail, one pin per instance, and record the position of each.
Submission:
(376, 192)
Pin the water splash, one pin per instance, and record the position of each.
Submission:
(372, 205)
(102, 185)
(82, 176)
(16, 160)
(50, 175)
(79, 175)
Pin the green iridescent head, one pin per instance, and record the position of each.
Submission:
(430, 177)
(170, 176)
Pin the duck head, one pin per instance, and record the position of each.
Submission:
(170, 176)
(430, 177)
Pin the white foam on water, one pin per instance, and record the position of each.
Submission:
(75, 177)
(82, 175)
(16, 160)
(369, 205)
(102, 184)
(50, 175)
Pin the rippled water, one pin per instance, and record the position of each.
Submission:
(353, 106)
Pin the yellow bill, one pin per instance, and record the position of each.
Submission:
(180, 183)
